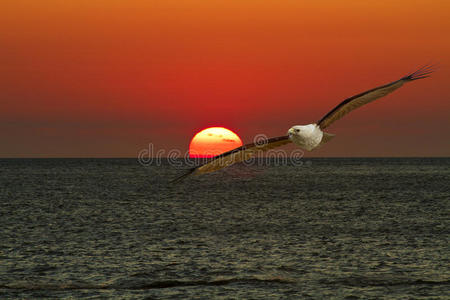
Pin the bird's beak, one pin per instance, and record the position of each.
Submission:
(290, 132)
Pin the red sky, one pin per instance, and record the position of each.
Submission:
(105, 78)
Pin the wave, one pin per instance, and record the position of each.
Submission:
(143, 285)
(371, 282)
(140, 285)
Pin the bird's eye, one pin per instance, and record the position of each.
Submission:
(297, 130)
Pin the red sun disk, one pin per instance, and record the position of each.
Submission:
(213, 141)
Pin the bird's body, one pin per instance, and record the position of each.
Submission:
(311, 136)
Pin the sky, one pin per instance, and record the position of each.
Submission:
(107, 78)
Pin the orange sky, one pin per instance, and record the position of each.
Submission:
(105, 78)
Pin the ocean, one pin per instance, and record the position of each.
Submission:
(344, 228)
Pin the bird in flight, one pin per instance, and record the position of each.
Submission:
(308, 137)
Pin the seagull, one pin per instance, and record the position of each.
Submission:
(308, 137)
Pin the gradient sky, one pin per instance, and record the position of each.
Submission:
(104, 78)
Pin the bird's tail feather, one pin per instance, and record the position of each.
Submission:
(326, 138)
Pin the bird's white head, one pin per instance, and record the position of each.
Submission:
(306, 136)
(299, 131)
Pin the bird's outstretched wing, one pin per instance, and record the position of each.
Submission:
(236, 155)
(359, 100)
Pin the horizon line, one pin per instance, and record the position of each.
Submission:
(193, 158)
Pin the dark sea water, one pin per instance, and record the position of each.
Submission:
(326, 228)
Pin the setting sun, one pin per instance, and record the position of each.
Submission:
(213, 141)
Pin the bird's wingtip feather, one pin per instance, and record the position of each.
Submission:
(180, 178)
(421, 73)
